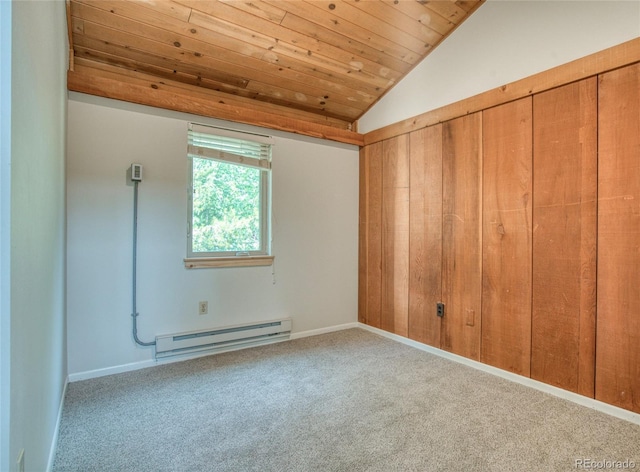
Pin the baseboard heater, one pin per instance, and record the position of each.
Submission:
(225, 338)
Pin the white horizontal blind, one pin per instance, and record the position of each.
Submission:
(219, 144)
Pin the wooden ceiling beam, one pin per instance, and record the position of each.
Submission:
(260, 92)
(152, 80)
(189, 99)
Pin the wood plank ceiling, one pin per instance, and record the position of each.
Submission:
(312, 67)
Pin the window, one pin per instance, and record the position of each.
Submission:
(229, 197)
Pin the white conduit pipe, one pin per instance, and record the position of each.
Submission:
(135, 313)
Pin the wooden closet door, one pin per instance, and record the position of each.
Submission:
(370, 236)
(564, 236)
(395, 235)
(425, 234)
(618, 339)
(462, 235)
(506, 239)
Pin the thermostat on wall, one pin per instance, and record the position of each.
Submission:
(136, 172)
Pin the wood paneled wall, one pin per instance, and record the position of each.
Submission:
(618, 315)
(564, 251)
(503, 215)
(462, 235)
(395, 235)
(507, 236)
(370, 236)
(425, 234)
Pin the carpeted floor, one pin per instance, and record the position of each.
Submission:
(345, 401)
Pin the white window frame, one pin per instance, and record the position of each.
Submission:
(235, 148)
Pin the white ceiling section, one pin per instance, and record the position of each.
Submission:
(502, 42)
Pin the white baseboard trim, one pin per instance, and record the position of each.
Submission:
(92, 374)
(329, 329)
(543, 387)
(56, 431)
(118, 369)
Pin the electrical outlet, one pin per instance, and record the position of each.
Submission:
(471, 317)
(20, 461)
(203, 308)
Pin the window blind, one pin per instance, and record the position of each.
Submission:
(250, 150)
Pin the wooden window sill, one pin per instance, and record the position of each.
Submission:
(240, 261)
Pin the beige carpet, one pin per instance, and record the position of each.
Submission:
(345, 401)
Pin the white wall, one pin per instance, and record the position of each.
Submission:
(504, 41)
(37, 229)
(315, 201)
(5, 217)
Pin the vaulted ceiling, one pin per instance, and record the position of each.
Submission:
(312, 67)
